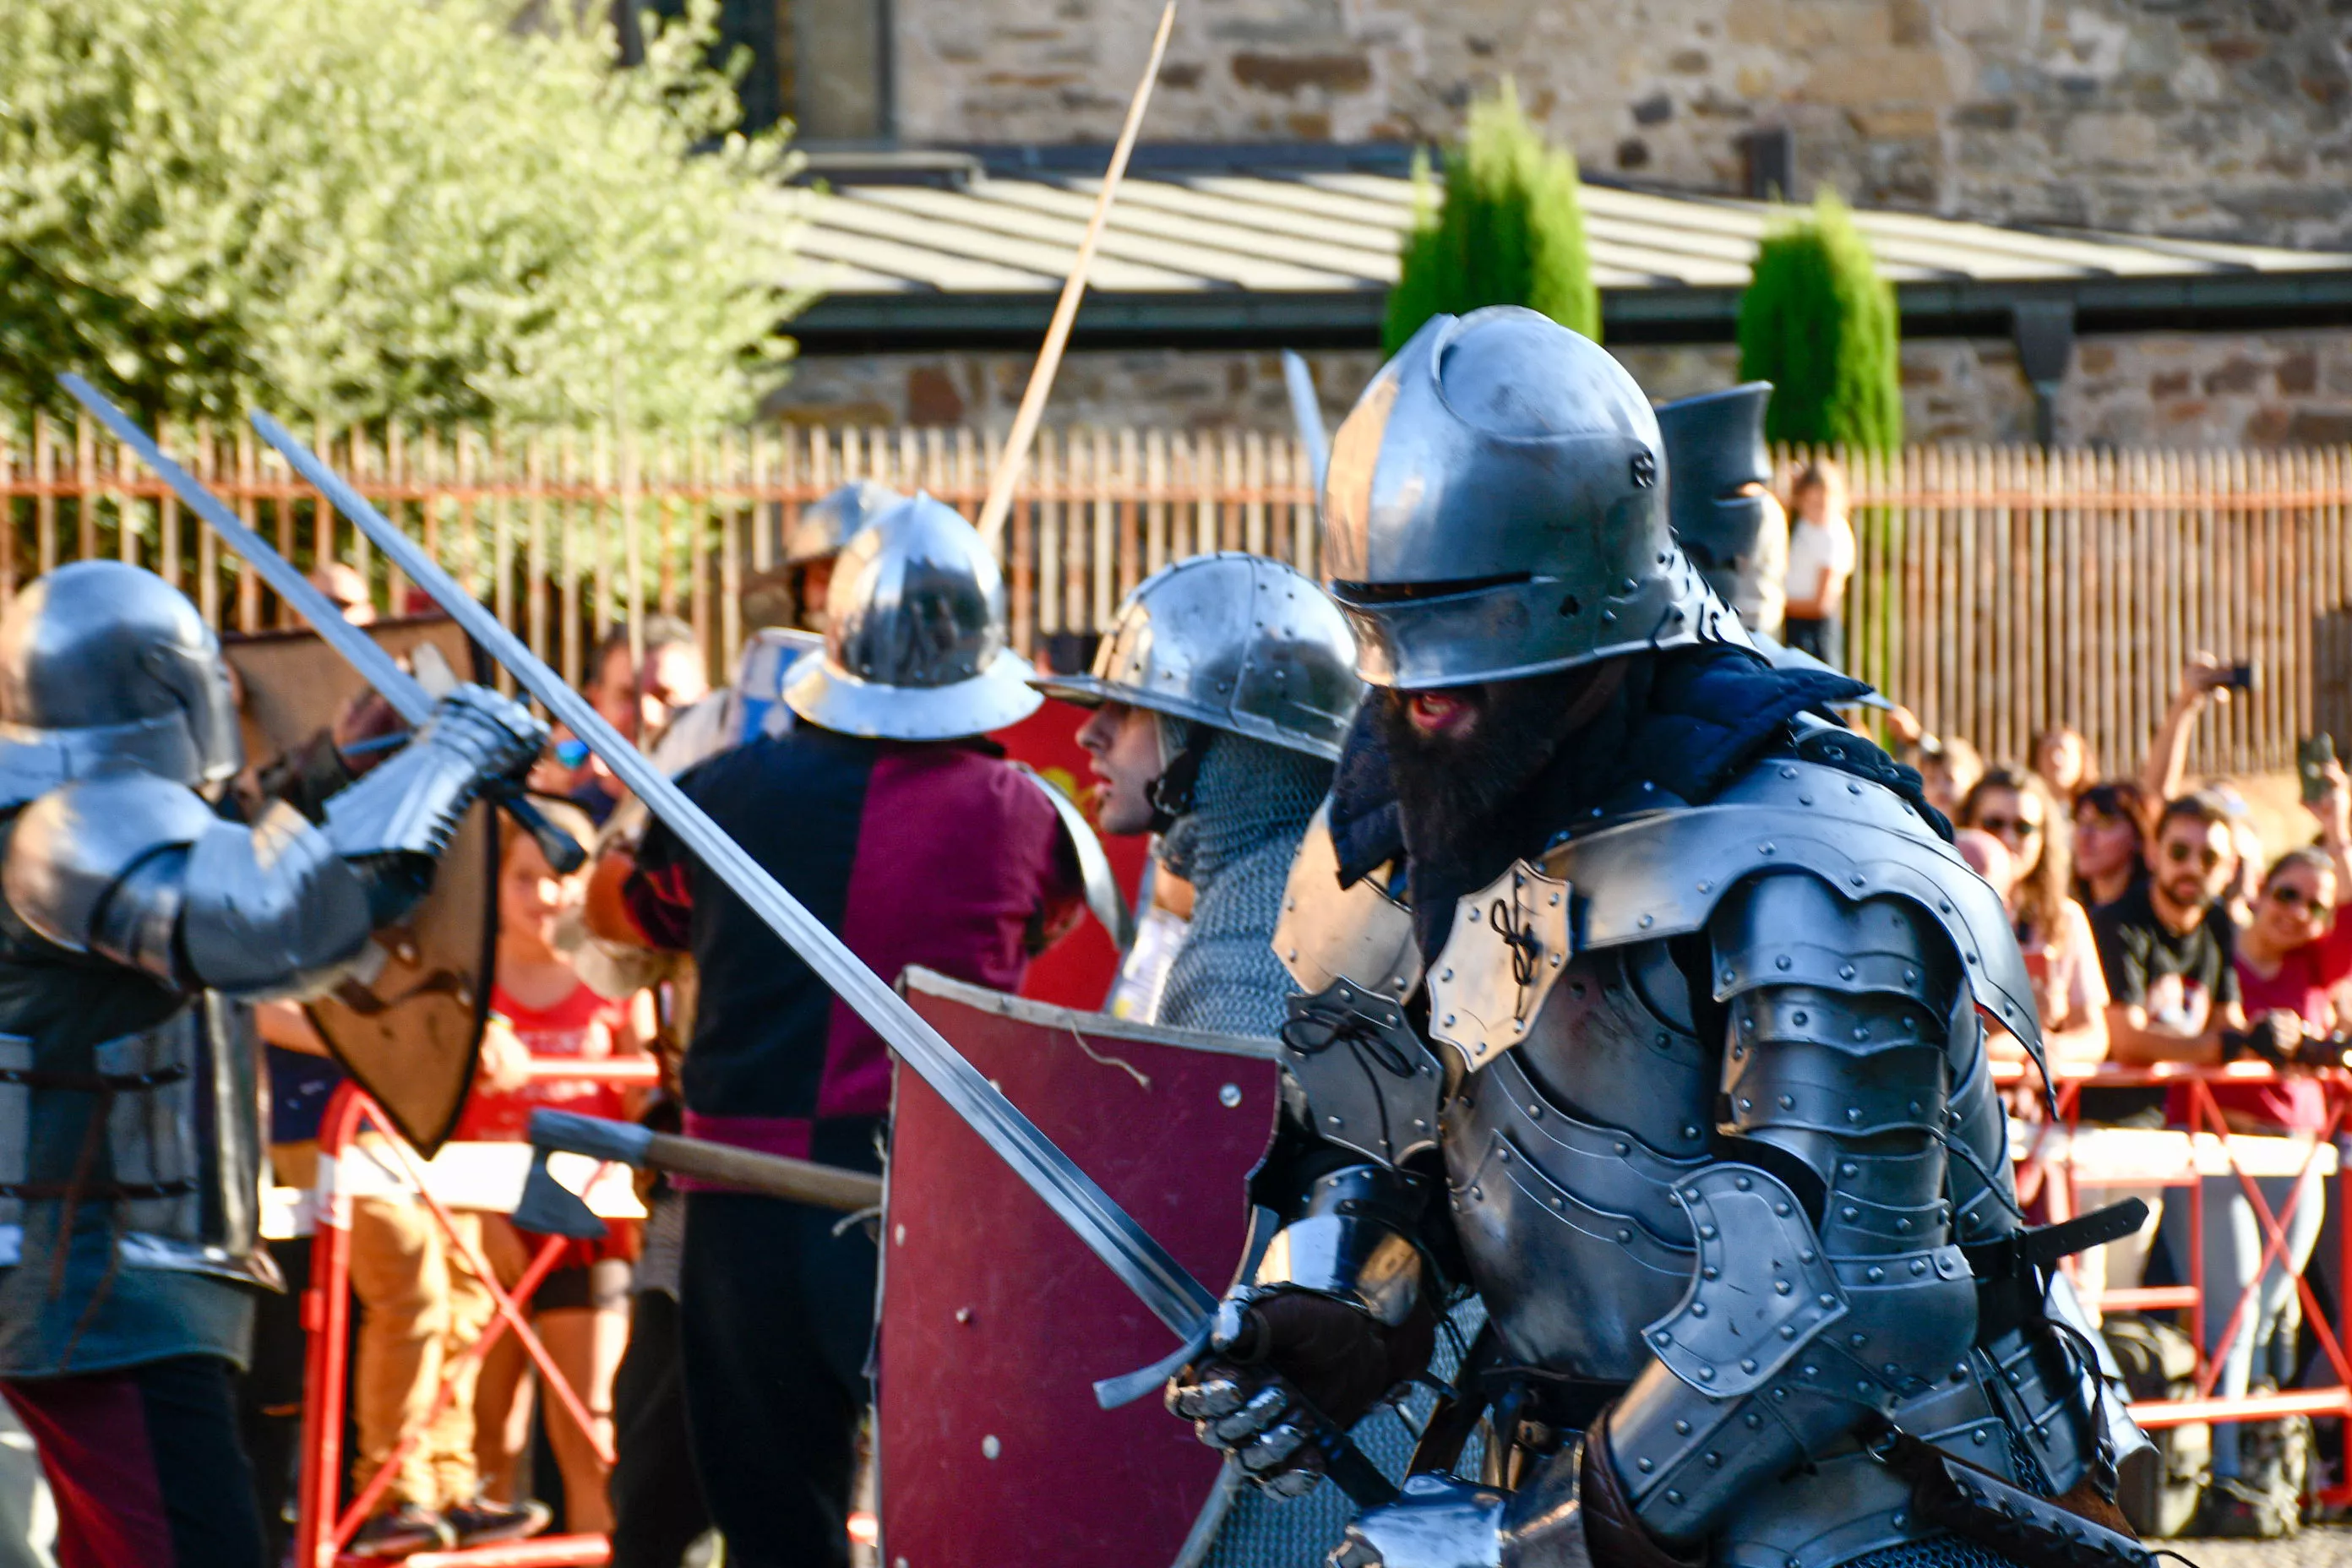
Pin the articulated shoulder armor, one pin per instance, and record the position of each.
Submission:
(74, 848)
(1369, 1082)
(271, 907)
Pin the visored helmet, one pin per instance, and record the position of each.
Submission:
(825, 526)
(914, 642)
(1495, 507)
(102, 662)
(1232, 640)
(1715, 449)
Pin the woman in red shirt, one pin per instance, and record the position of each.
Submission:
(542, 1011)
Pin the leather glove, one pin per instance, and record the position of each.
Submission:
(1282, 1363)
(497, 735)
(2275, 1037)
(1614, 1533)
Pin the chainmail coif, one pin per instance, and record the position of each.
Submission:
(1250, 806)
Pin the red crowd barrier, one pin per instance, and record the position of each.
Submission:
(323, 1527)
(2208, 1133)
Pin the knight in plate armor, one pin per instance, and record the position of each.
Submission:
(1647, 1001)
(135, 919)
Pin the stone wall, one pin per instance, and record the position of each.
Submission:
(2229, 118)
(2269, 389)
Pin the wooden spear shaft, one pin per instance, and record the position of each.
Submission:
(1015, 455)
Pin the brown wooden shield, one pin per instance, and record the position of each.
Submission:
(410, 1036)
(996, 1320)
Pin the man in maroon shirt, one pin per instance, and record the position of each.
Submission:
(885, 814)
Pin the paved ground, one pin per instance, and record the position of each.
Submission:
(2319, 1546)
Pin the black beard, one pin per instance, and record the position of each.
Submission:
(1452, 792)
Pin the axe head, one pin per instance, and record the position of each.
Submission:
(551, 1208)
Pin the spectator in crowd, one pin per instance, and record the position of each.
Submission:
(2111, 824)
(1821, 559)
(2062, 757)
(2297, 947)
(2165, 947)
(1987, 857)
(2052, 931)
(672, 677)
(611, 690)
(1949, 766)
(543, 1012)
(347, 590)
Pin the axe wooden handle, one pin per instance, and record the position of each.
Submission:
(771, 1175)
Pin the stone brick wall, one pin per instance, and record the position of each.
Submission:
(2270, 389)
(2228, 117)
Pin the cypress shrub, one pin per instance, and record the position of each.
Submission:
(1821, 325)
(1504, 229)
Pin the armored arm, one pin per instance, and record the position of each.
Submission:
(1829, 1283)
(141, 870)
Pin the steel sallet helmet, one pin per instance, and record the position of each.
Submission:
(1714, 447)
(103, 664)
(826, 525)
(1232, 640)
(914, 642)
(1495, 507)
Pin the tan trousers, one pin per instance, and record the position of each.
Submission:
(421, 1305)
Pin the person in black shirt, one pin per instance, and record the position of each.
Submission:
(2166, 947)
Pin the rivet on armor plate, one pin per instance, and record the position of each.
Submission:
(1673, 1496)
(1849, 1213)
(1230, 1096)
(963, 1314)
(1783, 963)
(1825, 1299)
(1478, 1192)
(1746, 1103)
(1728, 975)
(1691, 1193)
(1811, 1371)
(1449, 1020)
(1754, 1421)
(1710, 887)
(1706, 1375)
(1559, 1203)
(1682, 1428)
(1779, 1394)
(1787, 1330)
(1856, 878)
(1518, 1026)
(1901, 1518)
(1689, 1130)
(1646, 1464)
(1504, 1155)
(1788, 773)
(1748, 1363)
(990, 1447)
(1804, 800)
(1849, 1169)
(1874, 1274)
(1709, 1272)
(1535, 1113)
(1943, 906)
(1764, 848)
(1699, 1309)
(1853, 1113)
(1646, 922)
(1447, 975)
(1918, 1266)
(1910, 976)
(1662, 1338)
(1854, 789)
(1624, 1236)
(1781, 1209)
(1743, 1182)
(1857, 1341)
(1788, 1102)
(1805, 1255)
(899, 1234)
(1335, 1122)
(1707, 1233)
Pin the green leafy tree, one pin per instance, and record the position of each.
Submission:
(1821, 325)
(1506, 228)
(362, 208)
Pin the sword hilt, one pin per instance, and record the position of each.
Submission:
(565, 853)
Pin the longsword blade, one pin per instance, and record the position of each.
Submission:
(376, 667)
(1161, 1282)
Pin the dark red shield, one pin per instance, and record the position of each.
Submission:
(996, 1320)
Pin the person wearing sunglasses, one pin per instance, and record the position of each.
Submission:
(2054, 932)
